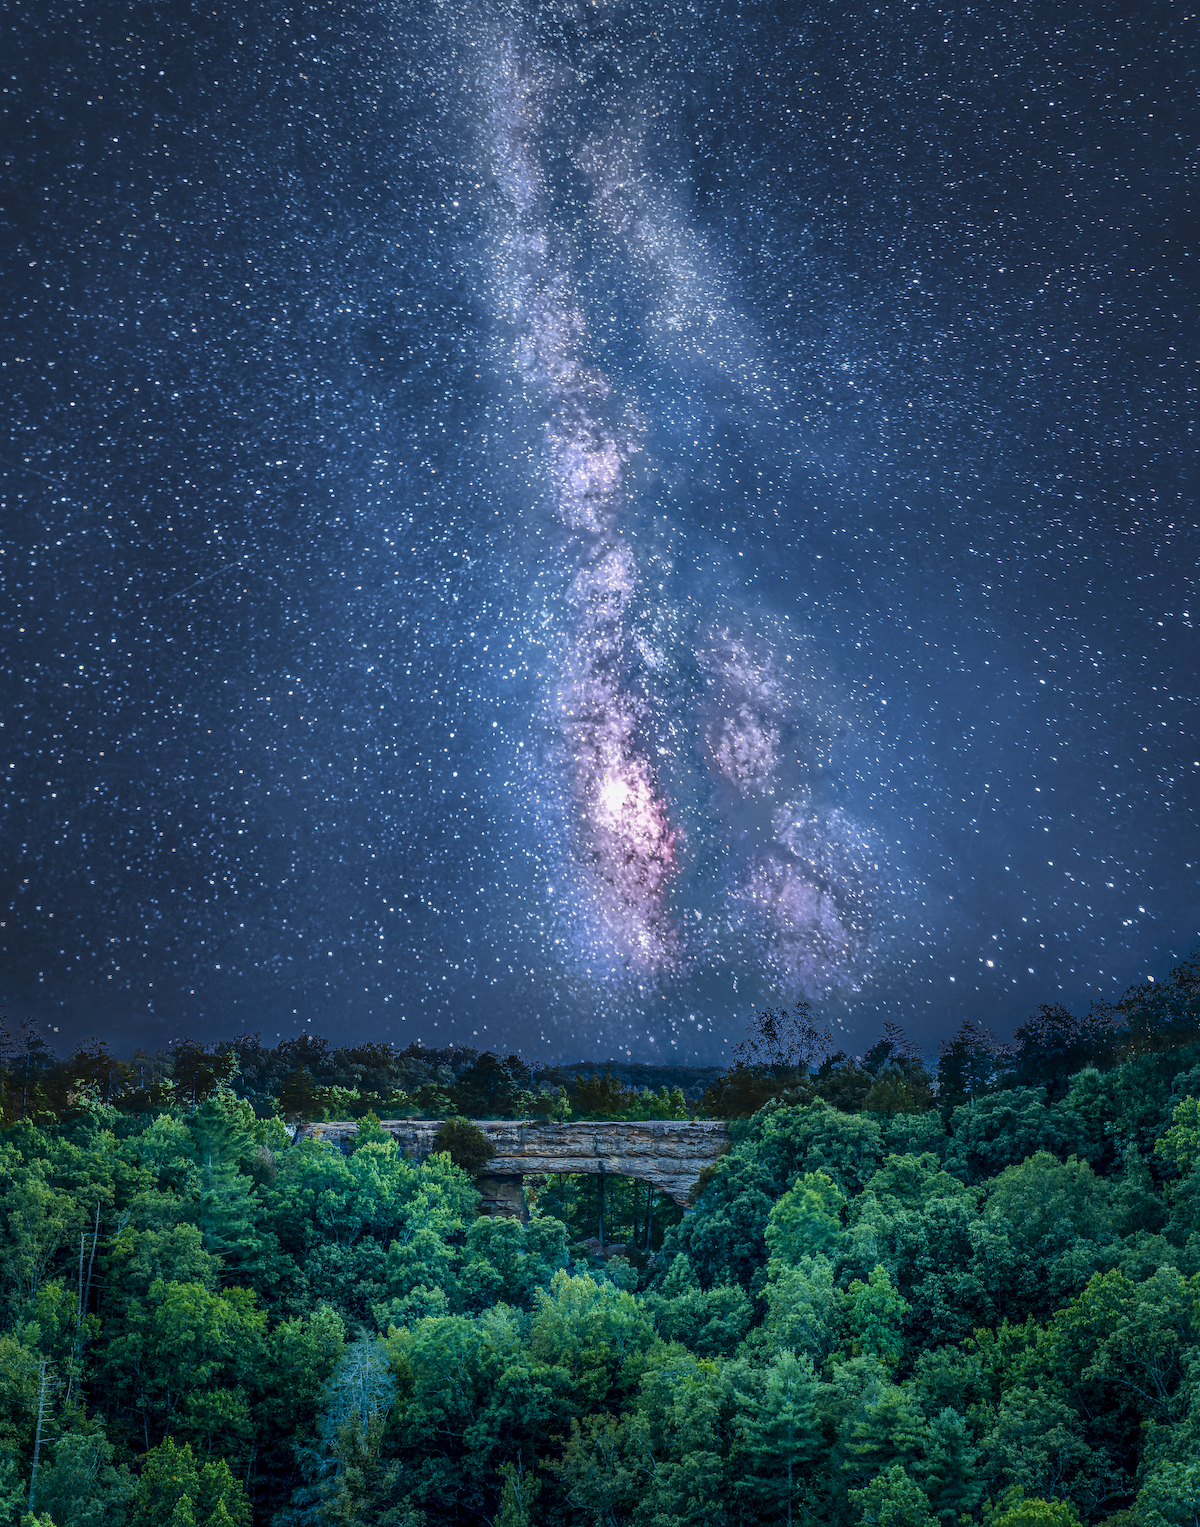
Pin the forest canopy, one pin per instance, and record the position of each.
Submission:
(915, 1294)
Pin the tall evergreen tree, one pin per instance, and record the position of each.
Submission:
(780, 1433)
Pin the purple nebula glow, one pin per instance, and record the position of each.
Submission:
(624, 842)
(793, 878)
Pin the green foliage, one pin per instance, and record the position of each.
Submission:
(14, 1491)
(183, 1360)
(780, 1434)
(588, 1330)
(876, 1317)
(707, 1321)
(491, 1088)
(20, 1370)
(666, 1103)
(505, 1262)
(1031, 1511)
(1134, 1204)
(919, 1222)
(775, 1064)
(725, 1241)
(1128, 1347)
(1055, 1044)
(915, 1134)
(878, 1422)
(1130, 1105)
(981, 1312)
(465, 1143)
(604, 1096)
(969, 1065)
(1046, 1226)
(1043, 1197)
(949, 1471)
(894, 1093)
(666, 1459)
(134, 1259)
(807, 1220)
(892, 1499)
(1040, 1443)
(601, 1095)
(1004, 1128)
(1170, 1496)
(805, 1308)
(742, 1091)
(174, 1491)
(80, 1487)
(226, 1208)
(816, 1138)
(517, 1497)
(1181, 1143)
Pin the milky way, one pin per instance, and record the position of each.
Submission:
(551, 526)
(626, 847)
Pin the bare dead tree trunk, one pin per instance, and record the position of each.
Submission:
(87, 1295)
(79, 1295)
(37, 1436)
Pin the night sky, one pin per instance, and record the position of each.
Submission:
(553, 526)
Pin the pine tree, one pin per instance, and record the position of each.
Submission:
(780, 1433)
(228, 1209)
(948, 1474)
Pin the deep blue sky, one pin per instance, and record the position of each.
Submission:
(548, 527)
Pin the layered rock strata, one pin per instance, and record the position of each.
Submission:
(669, 1154)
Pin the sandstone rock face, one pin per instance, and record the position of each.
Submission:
(669, 1154)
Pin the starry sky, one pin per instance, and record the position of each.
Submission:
(553, 526)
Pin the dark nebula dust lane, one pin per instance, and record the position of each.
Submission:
(550, 526)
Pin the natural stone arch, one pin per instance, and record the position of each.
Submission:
(669, 1154)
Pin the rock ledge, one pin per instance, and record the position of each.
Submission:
(669, 1154)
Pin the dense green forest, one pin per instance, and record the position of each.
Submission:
(912, 1295)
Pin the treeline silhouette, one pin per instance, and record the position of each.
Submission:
(785, 1056)
(305, 1078)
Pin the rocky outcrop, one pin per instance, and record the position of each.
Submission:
(669, 1154)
